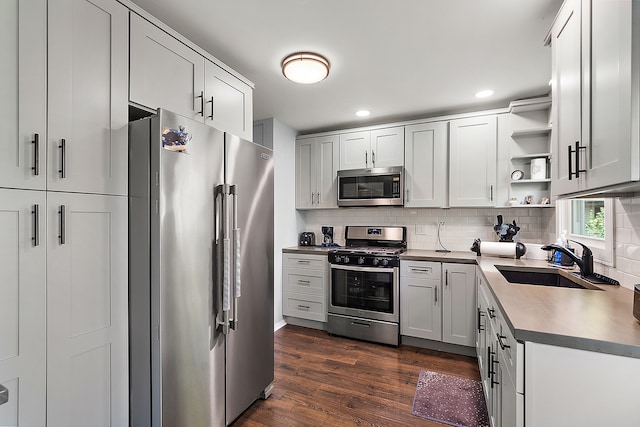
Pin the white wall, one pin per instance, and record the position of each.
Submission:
(288, 222)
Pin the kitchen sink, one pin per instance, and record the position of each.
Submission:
(543, 277)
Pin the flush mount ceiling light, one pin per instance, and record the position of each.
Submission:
(363, 113)
(484, 93)
(305, 67)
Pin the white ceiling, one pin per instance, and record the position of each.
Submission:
(401, 59)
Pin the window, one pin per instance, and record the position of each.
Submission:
(587, 218)
(590, 222)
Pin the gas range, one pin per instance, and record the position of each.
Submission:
(371, 247)
(367, 256)
(364, 285)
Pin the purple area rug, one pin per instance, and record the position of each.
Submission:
(451, 400)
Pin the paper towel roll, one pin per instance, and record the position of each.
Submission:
(504, 249)
(507, 249)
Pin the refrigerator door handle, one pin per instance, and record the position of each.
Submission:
(233, 190)
(224, 257)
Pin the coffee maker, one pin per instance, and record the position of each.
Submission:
(327, 233)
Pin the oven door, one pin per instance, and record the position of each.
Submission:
(366, 292)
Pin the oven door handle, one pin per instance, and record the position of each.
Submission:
(359, 268)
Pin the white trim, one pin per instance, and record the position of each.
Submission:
(603, 249)
(280, 324)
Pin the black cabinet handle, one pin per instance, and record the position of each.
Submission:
(201, 96)
(569, 152)
(373, 158)
(210, 102)
(502, 344)
(491, 312)
(36, 225)
(36, 154)
(575, 152)
(493, 372)
(63, 156)
(63, 225)
(480, 316)
(366, 159)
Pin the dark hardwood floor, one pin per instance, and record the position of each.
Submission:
(323, 380)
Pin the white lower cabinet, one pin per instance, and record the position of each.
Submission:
(437, 301)
(305, 286)
(500, 359)
(459, 303)
(23, 307)
(573, 387)
(420, 299)
(87, 330)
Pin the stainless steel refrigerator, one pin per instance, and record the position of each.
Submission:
(201, 273)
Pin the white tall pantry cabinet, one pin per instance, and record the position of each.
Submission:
(63, 323)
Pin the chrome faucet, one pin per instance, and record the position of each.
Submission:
(585, 263)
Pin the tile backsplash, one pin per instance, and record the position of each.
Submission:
(461, 225)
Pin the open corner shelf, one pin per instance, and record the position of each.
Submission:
(542, 131)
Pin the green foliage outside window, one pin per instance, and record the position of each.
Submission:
(595, 223)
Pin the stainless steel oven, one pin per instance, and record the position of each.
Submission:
(370, 292)
(364, 297)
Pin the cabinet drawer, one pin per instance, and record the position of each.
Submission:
(303, 306)
(304, 281)
(316, 262)
(420, 269)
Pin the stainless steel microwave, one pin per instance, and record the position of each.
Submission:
(371, 187)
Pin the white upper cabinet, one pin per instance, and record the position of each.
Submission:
(23, 307)
(595, 81)
(165, 73)
(88, 81)
(316, 171)
(228, 102)
(566, 88)
(425, 163)
(472, 161)
(372, 149)
(387, 147)
(355, 150)
(23, 87)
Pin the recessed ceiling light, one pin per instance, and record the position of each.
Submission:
(305, 67)
(363, 113)
(484, 93)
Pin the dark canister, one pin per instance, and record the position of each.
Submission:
(636, 302)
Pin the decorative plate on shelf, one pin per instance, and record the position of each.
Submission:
(517, 175)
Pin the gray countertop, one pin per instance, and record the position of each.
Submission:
(309, 250)
(592, 320)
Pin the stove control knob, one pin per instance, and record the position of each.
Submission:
(385, 262)
(346, 259)
(361, 260)
(375, 261)
(338, 258)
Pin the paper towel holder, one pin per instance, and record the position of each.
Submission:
(520, 248)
